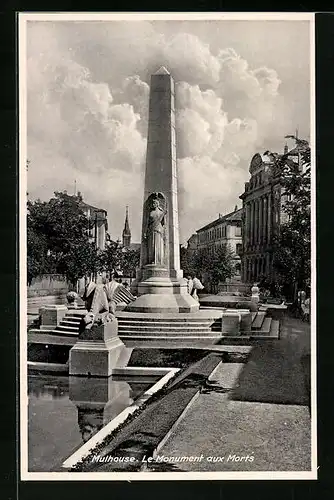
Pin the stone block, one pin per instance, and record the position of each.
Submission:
(245, 322)
(231, 321)
(98, 351)
(51, 316)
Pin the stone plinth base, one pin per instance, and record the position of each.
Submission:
(98, 351)
(162, 294)
(51, 316)
(236, 322)
(160, 303)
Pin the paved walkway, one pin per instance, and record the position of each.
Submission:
(258, 409)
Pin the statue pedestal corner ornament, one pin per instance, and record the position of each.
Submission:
(72, 300)
(255, 293)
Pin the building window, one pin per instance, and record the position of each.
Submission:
(238, 248)
(238, 231)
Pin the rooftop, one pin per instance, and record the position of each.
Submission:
(230, 217)
(96, 209)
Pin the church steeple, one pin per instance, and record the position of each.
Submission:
(126, 235)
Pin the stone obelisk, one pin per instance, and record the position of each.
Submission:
(160, 285)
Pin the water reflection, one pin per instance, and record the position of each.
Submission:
(98, 401)
(65, 412)
(48, 387)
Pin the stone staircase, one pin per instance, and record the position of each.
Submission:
(204, 325)
(172, 326)
(263, 327)
(200, 324)
(69, 325)
(162, 329)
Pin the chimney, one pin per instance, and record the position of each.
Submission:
(236, 208)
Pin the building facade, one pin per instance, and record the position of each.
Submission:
(263, 200)
(226, 230)
(98, 224)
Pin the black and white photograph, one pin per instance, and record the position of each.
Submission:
(167, 246)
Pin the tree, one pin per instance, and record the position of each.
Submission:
(292, 246)
(112, 257)
(130, 262)
(187, 262)
(214, 264)
(58, 241)
(36, 254)
(81, 260)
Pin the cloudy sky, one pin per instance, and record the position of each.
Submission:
(240, 87)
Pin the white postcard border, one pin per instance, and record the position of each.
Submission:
(23, 18)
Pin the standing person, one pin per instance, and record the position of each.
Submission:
(197, 285)
(190, 284)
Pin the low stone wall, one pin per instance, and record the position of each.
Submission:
(34, 303)
(243, 288)
(48, 285)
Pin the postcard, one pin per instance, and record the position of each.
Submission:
(167, 277)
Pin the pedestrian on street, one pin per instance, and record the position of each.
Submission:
(190, 284)
(197, 285)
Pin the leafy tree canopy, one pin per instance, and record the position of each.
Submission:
(215, 263)
(57, 238)
(292, 247)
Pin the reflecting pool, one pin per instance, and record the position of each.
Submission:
(64, 412)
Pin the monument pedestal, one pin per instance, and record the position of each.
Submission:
(51, 316)
(159, 294)
(98, 351)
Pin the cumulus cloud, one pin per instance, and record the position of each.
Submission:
(206, 198)
(88, 93)
(191, 58)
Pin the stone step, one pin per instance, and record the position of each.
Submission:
(76, 313)
(61, 328)
(274, 329)
(264, 330)
(147, 330)
(166, 320)
(258, 320)
(165, 324)
(171, 333)
(69, 323)
(72, 319)
(208, 315)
